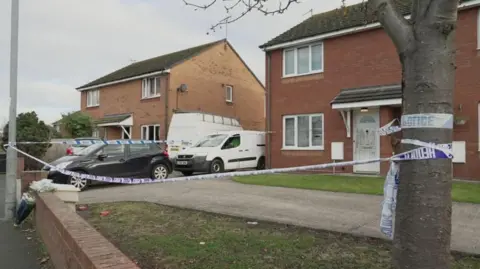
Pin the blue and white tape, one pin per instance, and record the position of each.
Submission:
(389, 202)
(426, 151)
(389, 128)
(101, 141)
(409, 155)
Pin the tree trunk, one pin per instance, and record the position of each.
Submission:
(424, 206)
(427, 52)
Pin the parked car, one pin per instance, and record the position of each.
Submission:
(223, 151)
(74, 149)
(133, 161)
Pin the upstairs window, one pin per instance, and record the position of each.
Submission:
(303, 60)
(93, 98)
(150, 87)
(229, 93)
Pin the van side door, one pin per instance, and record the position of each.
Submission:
(230, 152)
(248, 151)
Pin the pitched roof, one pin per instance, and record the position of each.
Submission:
(156, 64)
(336, 20)
(370, 93)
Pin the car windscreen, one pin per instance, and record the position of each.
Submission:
(211, 141)
(89, 150)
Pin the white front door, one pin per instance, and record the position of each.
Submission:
(366, 140)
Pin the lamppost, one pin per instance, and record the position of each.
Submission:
(11, 179)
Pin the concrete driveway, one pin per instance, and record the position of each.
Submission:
(348, 213)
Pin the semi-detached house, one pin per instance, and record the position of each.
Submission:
(334, 79)
(138, 101)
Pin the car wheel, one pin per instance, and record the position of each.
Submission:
(159, 171)
(78, 182)
(261, 163)
(216, 166)
(189, 173)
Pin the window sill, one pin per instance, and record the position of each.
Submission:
(93, 106)
(302, 75)
(303, 149)
(151, 97)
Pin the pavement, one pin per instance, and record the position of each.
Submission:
(16, 251)
(347, 213)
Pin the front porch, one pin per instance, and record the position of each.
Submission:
(118, 126)
(363, 111)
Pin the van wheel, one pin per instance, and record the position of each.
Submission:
(188, 173)
(216, 166)
(261, 163)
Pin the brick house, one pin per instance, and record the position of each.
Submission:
(139, 100)
(335, 78)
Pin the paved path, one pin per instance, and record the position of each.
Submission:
(16, 251)
(348, 213)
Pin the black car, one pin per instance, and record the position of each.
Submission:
(133, 161)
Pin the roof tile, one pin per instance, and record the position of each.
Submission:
(336, 20)
(156, 64)
(371, 93)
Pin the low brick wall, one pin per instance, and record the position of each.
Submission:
(71, 242)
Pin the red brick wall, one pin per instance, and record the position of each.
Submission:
(366, 59)
(127, 98)
(204, 75)
(71, 242)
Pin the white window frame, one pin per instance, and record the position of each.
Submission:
(478, 125)
(227, 89)
(295, 117)
(93, 98)
(144, 134)
(146, 82)
(295, 61)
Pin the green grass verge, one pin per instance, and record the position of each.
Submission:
(462, 191)
(158, 236)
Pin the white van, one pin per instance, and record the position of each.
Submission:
(186, 128)
(223, 151)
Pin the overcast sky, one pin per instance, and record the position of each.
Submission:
(66, 43)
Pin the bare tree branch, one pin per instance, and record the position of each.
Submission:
(396, 26)
(248, 6)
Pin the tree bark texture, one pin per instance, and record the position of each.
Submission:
(426, 49)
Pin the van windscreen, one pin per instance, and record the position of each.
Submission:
(211, 141)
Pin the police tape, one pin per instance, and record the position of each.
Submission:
(89, 142)
(422, 153)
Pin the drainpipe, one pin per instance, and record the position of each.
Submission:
(269, 114)
(166, 107)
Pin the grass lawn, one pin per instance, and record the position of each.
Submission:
(164, 237)
(462, 191)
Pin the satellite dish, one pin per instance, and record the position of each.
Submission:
(183, 88)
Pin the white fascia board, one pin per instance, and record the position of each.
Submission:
(376, 103)
(348, 31)
(124, 80)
